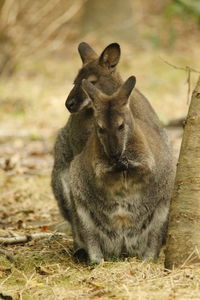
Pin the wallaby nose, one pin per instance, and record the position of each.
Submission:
(70, 104)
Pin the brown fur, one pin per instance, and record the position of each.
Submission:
(120, 202)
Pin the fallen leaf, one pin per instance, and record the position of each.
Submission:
(44, 228)
(43, 271)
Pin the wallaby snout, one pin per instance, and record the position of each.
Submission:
(113, 148)
(121, 165)
(70, 104)
(76, 100)
(71, 101)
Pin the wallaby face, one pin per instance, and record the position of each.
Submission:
(100, 71)
(112, 120)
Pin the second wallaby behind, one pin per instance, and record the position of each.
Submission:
(120, 184)
(71, 139)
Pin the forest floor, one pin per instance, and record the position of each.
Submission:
(31, 111)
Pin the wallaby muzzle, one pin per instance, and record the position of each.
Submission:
(74, 101)
(121, 165)
(71, 104)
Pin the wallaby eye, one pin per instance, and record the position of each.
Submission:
(94, 82)
(92, 79)
(101, 130)
(121, 127)
(113, 66)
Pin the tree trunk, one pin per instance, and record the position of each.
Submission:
(183, 244)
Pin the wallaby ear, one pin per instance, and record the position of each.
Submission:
(110, 56)
(87, 54)
(126, 89)
(93, 93)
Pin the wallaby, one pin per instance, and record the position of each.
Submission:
(120, 184)
(71, 139)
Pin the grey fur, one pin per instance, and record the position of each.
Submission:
(72, 138)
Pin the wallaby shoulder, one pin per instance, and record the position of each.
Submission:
(142, 109)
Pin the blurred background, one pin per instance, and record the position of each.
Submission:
(39, 60)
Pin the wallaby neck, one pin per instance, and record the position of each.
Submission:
(88, 110)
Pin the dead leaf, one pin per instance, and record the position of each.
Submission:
(45, 228)
(43, 271)
(20, 224)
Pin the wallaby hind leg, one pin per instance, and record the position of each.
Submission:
(85, 235)
(153, 247)
(61, 192)
(94, 252)
(91, 246)
(157, 233)
(81, 256)
(60, 174)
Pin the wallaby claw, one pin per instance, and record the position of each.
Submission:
(97, 261)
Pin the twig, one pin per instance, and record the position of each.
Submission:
(5, 11)
(66, 250)
(40, 13)
(8, 255)
(189, 83)
(64, 18)
(176, 122)
(188, 70)
(6, 279)
(27, 238)
(180, 68)
(51, 29)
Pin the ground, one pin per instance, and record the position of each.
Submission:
(31, 111)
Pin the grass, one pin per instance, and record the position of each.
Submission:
(48, 272)
(32, 110)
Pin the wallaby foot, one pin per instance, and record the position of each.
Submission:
(81, 256)
(95, 258)
(151, 254)
(96, 261)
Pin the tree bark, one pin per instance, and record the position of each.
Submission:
(183, 243)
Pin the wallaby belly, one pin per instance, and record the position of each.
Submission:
(123, 217)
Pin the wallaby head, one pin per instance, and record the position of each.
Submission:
(99, 70)
(112, 117)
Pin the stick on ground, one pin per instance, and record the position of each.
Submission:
(28, 237)
(8, 255)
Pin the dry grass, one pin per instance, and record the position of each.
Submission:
(48, 272)
(31, 110)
